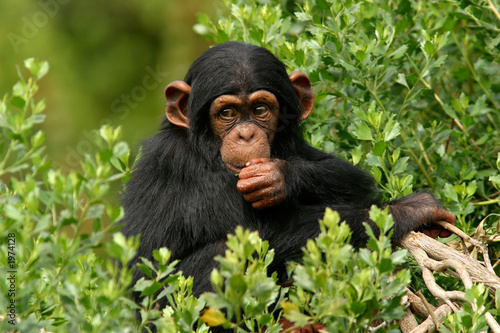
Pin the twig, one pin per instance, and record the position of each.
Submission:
(429, 308)
(433, 256)
(465, 237)
(493, 9)
(428, 324)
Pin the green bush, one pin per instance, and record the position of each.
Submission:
(407, 89)
(51, 223)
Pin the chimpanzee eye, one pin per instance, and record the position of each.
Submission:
(228, 113)
(260, 110)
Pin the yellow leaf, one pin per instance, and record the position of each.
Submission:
(289, 307)
(213, 317)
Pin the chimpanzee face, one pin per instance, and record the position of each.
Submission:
(244, 126)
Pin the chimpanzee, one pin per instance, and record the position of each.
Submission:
(231, 152)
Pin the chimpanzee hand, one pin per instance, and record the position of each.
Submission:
(417, 212)
(288, 326)
(261, 182)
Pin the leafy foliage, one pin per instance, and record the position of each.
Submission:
(242, 288)
(54, 222)
(346, 290)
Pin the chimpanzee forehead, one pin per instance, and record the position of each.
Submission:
(231, 60)
(236, 68)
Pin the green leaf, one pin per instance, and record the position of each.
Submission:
(96, 225)
(106, 133)
(401, 165)
(399, 257)
(18, 102)
(449, 111)
(385, 265)
(429, 48)
(151, 288)
(449, 24)
(162, 255)
(401, 51)
(323, 4)
(347, 66)
(363, 131)
(121, 149)
(357, 153)
(402, 25)
(115, 212)
(460, 104)
(95, 211)
(439, 61)
(402, 80)
(38, 139)
(379, 148)
(358, 307)
(36, 67)
(442, 40)
(479, 106)
(148, 272)
(377, 174)
(360, 55)
(215, 300)
(360, 113)
(392, 129)
(450, 192)
(263, 289)
(13, 213)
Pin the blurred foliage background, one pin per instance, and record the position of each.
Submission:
(110, 62)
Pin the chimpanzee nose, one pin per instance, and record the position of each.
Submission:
(245, 133)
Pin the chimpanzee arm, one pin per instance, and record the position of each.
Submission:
(418, 211)
(411, 213)
(320, 178)
(414, 212)
(324, 180)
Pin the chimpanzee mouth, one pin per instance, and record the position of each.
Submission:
(234, 168)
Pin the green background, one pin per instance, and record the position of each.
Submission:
(110, 62)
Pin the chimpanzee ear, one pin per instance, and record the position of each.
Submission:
(302, 87)
(177, 94)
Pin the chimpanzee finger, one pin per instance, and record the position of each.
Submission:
(318, 327)
(261, 194)
(435, 230)
(265, 198)
(253, 184)
(433, 233)
(255, 170)
(447, 217)
(445, 233)
(443, 215)
(268, 202)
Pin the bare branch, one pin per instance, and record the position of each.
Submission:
(433, 256)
